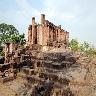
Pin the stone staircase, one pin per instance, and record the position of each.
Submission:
(58, 60)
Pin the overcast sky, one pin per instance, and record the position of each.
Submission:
(76, 16)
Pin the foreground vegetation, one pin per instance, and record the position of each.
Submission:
(85, 47)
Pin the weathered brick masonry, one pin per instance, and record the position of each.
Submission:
(46, 33)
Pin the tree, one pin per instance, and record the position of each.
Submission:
(6, 31)
(74, 44)
(81, 48)
(84, 47)
(20, 39)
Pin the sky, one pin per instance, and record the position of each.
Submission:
(78, 17)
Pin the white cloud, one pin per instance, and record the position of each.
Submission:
(67, 16)
(56, 9)
(25, 7)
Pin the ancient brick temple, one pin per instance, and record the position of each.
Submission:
(46, 33)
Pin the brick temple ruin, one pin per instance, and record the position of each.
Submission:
(46, 33)
(36, 64)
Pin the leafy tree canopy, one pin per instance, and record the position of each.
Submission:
(8, 33)
(20, 38)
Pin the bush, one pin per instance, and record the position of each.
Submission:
(74, 44)
(84, 47)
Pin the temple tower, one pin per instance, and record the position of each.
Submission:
(30, 35)
(34, 31)
(42, 19)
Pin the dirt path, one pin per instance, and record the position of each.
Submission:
(6, 91)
